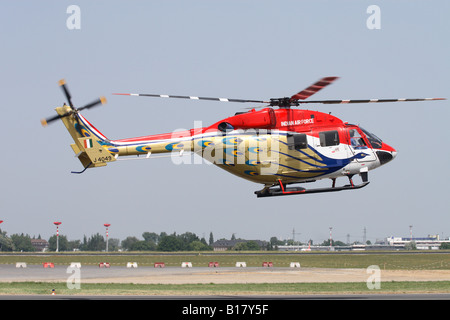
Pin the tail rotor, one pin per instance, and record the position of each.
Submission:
(73, 110)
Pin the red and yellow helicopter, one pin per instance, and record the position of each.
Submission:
(277, 147)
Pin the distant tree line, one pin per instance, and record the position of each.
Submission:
(166, 242)
(151, 242)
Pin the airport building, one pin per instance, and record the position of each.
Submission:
(432, 242)
(39, 245)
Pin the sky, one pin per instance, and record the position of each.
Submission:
(237, 49)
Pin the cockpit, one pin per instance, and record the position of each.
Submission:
(373, 139)
(356, 140)
(360, 138)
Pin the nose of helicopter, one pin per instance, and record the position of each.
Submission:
(386, 153)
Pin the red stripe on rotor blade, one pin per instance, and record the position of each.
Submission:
(319, 85)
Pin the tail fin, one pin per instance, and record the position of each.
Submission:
(91, 146)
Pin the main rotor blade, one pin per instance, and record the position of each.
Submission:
(312, 89)
(62, 83)
(370, 100)
(190, 97)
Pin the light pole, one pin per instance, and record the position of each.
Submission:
(1, 221)
(107, 225)
(57, 223)
(293, 236)
(331, 239)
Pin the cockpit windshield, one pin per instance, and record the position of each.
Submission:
(373, 139)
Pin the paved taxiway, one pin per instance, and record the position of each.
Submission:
(178, 275)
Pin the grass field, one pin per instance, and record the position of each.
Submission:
(29, 288)
(415, 261)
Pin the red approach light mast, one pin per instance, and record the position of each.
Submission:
(57, 223)
(107, 225)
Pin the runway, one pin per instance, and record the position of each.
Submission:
(178, 275)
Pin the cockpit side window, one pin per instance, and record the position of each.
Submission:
(356, 140)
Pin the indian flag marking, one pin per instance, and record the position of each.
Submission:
(88, 143)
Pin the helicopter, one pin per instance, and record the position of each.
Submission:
(278, 146)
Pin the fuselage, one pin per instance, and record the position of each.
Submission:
(267, 146)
